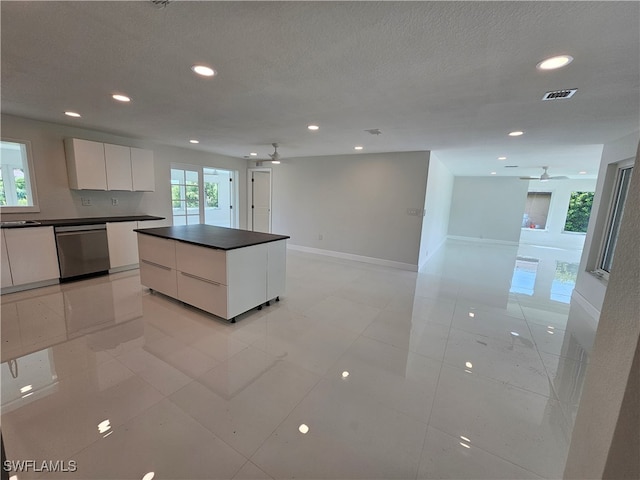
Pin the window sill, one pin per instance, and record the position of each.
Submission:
(527, 229)
(574, 233)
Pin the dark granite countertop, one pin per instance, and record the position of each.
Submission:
(220, 238)
(68, 222)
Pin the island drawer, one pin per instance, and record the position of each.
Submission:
(158, 277)
(160, 251)
(204, 294)
(203, 262)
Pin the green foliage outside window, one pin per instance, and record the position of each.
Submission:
(192, 195)
(580, 204)
(21, 192)
(211, 192)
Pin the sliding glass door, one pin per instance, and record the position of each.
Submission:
(203, 195)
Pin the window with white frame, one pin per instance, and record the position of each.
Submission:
(203, 195)
(17, 180)
(614, 220)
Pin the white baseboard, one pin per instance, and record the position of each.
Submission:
(482, 240)
(357, 258)
(594, 313)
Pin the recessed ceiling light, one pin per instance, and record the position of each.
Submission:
(502, 158)
(253, 154)
(516, 133)
(72, 114)
(582, 172)
(194, 141)
(120, 98)
(313, 127)
(494, 173)
(203, 70)
(555, 62)
(358, 147)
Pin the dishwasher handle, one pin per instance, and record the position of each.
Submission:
(81, 228)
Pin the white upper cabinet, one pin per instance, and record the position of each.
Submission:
(142, 170)
(118, 165)
(103, 166)
(85, 164)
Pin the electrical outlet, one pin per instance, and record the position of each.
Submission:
(114, 201)
(86, 201)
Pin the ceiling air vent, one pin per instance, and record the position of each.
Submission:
(374, 131)
(511, 166)
(160, 3)
(559, 94)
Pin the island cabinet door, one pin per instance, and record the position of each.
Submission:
(202, 262)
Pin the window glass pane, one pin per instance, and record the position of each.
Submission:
(193, 219)
(211, 194)
(536, 210)
(16, 184)
(580, 204)
(192, 196)
(617, 211)
(179, 220)
(177, 176)
(192, 177)
(179, 207)
(3, 196)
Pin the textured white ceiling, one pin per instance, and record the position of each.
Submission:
(451, 77)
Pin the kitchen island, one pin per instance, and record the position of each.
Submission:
(223, 271)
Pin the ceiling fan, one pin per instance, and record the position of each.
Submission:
(545, 176)
(275, 156)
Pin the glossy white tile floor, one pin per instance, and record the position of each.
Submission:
(472, 368)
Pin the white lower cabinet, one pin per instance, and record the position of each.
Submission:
(30, 256)
(7, 281)
(123, 244)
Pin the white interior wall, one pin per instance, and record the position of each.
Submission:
(554, 235)
(356, 203)
(487, 208)
(605, 441)
(589, 287)
(437, 207)
(56, 200)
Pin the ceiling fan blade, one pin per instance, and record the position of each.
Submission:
(559, 178)
(529, 178)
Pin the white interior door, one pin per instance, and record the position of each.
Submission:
(260, 201)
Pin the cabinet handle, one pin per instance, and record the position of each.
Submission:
(200, 278)
(156, 265)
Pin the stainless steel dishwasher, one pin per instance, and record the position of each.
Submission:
(82, 250)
